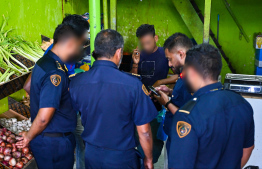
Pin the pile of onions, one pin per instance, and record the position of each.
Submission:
(10, 155)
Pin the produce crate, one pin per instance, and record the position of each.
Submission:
(19, 107)
(24, 61)
(2, 70)
(13, 85)
(12, 114)
(16, 83)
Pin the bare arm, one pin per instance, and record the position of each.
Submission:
(172, 108)
(27, 84)
(246, 154)
(146, 141)
(39, 124)
(169, 80)
(136, 59)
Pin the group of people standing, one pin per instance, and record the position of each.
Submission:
(207, 126)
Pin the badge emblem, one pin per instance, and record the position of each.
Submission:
(183, 128)
(145, 90)
(55, 79)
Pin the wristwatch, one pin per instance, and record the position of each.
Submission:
(168, 103)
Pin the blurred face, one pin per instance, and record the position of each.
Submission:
(176, 58)
(75, 49)
(148, 42)
(193, 79)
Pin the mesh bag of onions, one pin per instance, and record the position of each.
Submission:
(10, 155)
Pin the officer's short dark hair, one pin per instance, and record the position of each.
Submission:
(206, 60)
(145, 29)
(107, 42)
(72, 26)
(177, 40)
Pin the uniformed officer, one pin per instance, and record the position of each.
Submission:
(175, 47)
(215, 129)
(54, 120)
(110, 111)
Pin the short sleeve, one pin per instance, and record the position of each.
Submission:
(144, 111)
(52, 89)
(249, 138)
(183, 143)
(180, 94)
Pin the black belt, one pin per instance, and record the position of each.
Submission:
(57, 134)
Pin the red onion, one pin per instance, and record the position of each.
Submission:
(17, 154)
(5, 163)
(10, 166)
(24, 160)
(8, 139)
(19, 164)
(2, 144)
(4, 130)
(7, 134)
(25, 150)
(12, 162)
(14, 148)
(1, 133)
(2, 155)
(12, 135)
(17, 137)
(12, 140)
(8, 145)
(7, 158)
(29, 156)
(1, 140)
(7, 151)
(4, 137)
(2, 150)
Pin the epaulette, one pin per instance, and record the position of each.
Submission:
(73, 75)
(187, 108)
(133, 74)
(58, 65)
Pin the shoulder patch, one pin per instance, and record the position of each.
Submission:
(183, 128)
(188, 106)
(55, 79)
(145, 90)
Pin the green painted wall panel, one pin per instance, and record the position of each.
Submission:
(248, 13)
(31, 18)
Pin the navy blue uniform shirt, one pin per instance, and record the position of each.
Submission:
(180, 96)
(153, 67)
(49, 88)
(211, 130)
(111, 104)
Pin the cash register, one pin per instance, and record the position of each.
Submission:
(246, 84)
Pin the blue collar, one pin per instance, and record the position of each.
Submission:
(104, 63)
(54, 56)
(208, 88)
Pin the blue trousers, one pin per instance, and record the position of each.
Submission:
(53, 152)
(80, 145)
(101, 158)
